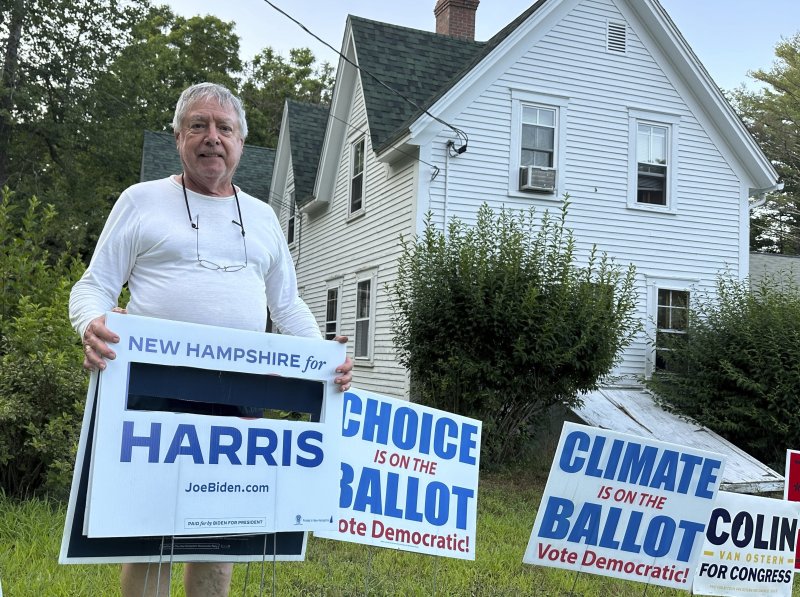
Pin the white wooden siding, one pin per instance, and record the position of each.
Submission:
(694, 244)
(688, 247)
(335, 245)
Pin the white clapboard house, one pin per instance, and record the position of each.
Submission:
(600, 99)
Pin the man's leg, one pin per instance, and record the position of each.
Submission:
(207, 579)
(134, 576)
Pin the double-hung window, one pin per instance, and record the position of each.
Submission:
(357, 160)
(332, 312)
(653, 160)
(538, 145)
(651, 163)
(365, 314)
(672, 319)
(537, 132)
(291, 223)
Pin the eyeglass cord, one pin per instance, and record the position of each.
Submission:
(240, 223)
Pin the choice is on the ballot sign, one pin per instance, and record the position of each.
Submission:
(625, 506)
(157, 469)
(409, 477)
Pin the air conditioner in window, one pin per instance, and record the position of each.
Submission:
(537, 179)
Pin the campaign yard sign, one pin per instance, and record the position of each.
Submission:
(625, 506)
(77, 548)
(409, 477)
(749, 547)
(174, 473)
(791, 488)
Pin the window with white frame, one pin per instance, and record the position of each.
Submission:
(538, 144)
(332, 312)
(653, 160)
(537, 133)
(357, 157)
(290, 225)
(652, 163)
(365, 316)
(537, 158)
(672, 320)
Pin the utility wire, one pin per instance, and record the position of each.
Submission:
(278, 200)
(459, 132)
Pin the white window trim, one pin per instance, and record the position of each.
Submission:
(651, 321)
(360, 211)
(558, 103)
(671, 122)
(331, 285)
(361, 276)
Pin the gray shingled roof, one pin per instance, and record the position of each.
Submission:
(774, 267)
(419, 64)
(415, 63)
(307, 124)
(160, 159)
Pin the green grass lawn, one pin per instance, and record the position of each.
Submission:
(30, 538)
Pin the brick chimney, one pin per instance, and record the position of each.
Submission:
(456, 18)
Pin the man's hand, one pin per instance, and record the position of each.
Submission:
(95, 342)
(345, 369)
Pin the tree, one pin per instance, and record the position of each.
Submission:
(138, 92)
(736, 370)
(82, 80)
(13, 16)
(52, 52)
(92, 76)
(775, 226)
(497, 322)
(41, 385)
(271, 80)
(773, 117)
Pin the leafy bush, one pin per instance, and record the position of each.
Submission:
(26, 267)
(41, 384)
(737, 370)
(496, 322)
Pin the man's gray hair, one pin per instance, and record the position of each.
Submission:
(206, 91)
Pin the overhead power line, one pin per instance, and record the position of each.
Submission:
(459, 132)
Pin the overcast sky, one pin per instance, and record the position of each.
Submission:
(731, 37)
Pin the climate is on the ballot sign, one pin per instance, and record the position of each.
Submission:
(625, 506)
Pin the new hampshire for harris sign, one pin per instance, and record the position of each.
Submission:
(625, 506)
(176, 473)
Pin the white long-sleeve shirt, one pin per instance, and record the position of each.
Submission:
(148, 242)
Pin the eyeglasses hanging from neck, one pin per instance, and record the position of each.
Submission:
(196, 226)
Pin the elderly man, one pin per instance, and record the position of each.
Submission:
(192, 247)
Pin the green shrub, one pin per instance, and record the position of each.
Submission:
(42, 387)
(737, 370)
(496, 322)
(26, 267)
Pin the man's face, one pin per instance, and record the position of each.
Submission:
(210, 145)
